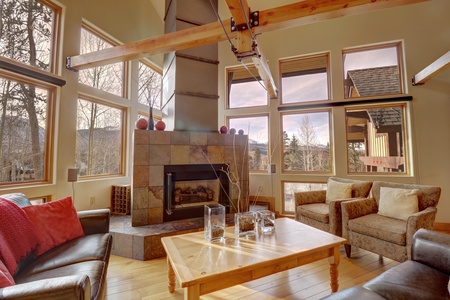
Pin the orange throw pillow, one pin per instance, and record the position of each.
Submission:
(56, 223)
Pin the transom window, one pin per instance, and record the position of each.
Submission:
(108, 78)
(373, 71)
(304, 79)
(245, 88)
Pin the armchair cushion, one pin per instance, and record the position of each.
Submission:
(56, 222)
(398, 203)
(383, 228)
(316, 211)
(338, 190)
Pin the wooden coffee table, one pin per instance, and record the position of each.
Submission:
(203, 267)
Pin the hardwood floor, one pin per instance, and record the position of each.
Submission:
(132, 279)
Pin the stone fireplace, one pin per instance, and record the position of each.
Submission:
(159, 153)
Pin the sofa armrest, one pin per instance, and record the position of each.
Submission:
(95, 221)
(66, 287)
(432, 249)
(354, 209)
(302, 198)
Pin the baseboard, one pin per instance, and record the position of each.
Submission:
(442, 226)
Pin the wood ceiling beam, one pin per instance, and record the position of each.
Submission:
(292, 15)
(436, 67)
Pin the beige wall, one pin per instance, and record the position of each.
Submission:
(425, 30)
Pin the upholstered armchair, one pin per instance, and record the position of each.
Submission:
(322, 209)
(385, 224)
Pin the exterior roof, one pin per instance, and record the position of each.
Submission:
(375, 81)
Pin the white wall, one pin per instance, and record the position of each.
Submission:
(425, 30)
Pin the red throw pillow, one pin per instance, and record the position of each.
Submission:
(5, 277)
(56, 223)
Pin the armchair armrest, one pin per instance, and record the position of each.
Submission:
(302, 198)
(335, 214)
(67, 287)
(422, 219)
(95, 221)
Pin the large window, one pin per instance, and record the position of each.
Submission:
(100, 138)
(257, 129)
(304, 79)
(306, 142)
(373, 71)
(27, 37)
(245, 88)
(376, 139)
(108, 78)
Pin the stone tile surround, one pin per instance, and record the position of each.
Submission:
(154, 149)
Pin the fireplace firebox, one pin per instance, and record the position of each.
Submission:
(187, 188)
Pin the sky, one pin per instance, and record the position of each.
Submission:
(312, 87)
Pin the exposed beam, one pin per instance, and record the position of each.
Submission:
(240, 15)
(265, 74)
(436, 67)
(292, 15)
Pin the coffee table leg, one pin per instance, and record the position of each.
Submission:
(334, 263)
(192, 292)
(171, 276)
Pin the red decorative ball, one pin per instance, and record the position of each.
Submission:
(160, 125)
(232, 131)
(241, 132)
(223, 129)
(142, 123)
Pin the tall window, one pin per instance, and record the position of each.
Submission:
(306, 142)
(245, 88)
(27, 104)
(108, 78)
(149, 86)
(373, 71)
(100, 138)
(304, 79)
(257, 129)
(376, 139)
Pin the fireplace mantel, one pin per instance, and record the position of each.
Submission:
(155, 149)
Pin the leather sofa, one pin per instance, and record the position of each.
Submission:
(425, 276)
(73, 270)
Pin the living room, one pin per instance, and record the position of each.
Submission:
(421, 29)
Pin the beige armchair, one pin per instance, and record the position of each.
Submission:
(312, 207)
(365, 224)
